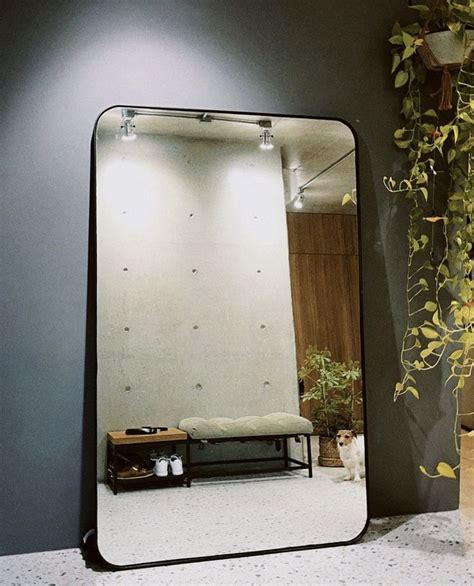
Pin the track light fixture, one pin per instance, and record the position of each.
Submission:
(128, 126)
(266, 136)
(299, 201)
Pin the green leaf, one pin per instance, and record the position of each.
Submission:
(346, 199)
(396, 40)
(407, 107)
(424, 191)
(445, 470)
(395, 62)
(401, 78)
(408, 39)
(414, 392)
(434, 345)
(456, 133)
(455, 355)
(423, 470)
(435, 320)
(408, 52)
(465, 116)
(399, 387)
(420, 7)
(430, 306)
(396, 29)
(454, 25)
(451, 155)
(431, 113)
(443, 269)
(426, 352)
(402, 144)
(413, 28)
(429, 333)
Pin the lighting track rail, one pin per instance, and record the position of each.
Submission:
(298, 199)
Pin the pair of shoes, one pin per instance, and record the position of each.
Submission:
(134, 471)
(164, 464)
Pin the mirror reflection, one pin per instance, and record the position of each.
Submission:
(229, 389)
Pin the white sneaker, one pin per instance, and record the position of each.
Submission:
(176, 464)
(161, 466)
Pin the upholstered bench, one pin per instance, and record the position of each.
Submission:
(275, 428)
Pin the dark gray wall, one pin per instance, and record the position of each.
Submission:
(66, 61)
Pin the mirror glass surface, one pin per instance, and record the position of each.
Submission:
(227, 297)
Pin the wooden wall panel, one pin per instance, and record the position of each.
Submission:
(325, 285)
(322, 233)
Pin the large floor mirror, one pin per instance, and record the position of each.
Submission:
(229, 388)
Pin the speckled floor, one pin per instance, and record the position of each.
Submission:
(222, 516)
(436, 548)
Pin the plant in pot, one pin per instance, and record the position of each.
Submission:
(332, 386)
(432, 63)
(442, 40)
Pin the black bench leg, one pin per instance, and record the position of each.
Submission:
(310, 457)
(188, 464)
(285, 452)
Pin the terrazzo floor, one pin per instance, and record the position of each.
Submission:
(433, 548)
(229, 515)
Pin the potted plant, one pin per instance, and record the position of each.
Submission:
(443, 39)
(332, 386)
(437, 137)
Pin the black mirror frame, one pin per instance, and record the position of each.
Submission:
(89, 544)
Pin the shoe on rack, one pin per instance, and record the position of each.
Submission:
(134, 471)
(161, 466)
(176, 463)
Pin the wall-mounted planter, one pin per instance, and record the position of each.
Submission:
(446, 49)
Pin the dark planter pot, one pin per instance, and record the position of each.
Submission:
(328, 454)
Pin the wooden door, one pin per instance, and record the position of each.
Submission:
(325, 285)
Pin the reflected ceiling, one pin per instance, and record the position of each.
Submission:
(308, 148)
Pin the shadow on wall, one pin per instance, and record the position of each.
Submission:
(416, 432)
(388, 448)
(89, 419)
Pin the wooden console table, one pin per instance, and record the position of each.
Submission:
(119, 443)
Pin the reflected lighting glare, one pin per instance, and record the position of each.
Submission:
(128, 130)
(266, 140)
(299, 202)
(127, 125)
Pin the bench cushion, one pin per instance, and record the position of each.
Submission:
(218, 427)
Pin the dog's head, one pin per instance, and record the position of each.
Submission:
(344, 437)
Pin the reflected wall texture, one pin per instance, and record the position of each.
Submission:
(63, 64)
(194, 299)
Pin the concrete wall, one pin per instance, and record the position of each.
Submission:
(65, 62)
(200, 324)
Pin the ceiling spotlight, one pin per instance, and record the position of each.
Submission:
(127, 124)
(299, 201)
(266, 140)
(266, 136)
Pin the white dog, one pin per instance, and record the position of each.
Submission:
(351, 452)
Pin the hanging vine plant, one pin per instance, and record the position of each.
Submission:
(432, 61)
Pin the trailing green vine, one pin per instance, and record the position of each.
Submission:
(438, 142)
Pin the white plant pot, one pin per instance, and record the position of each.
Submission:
(448, 49)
